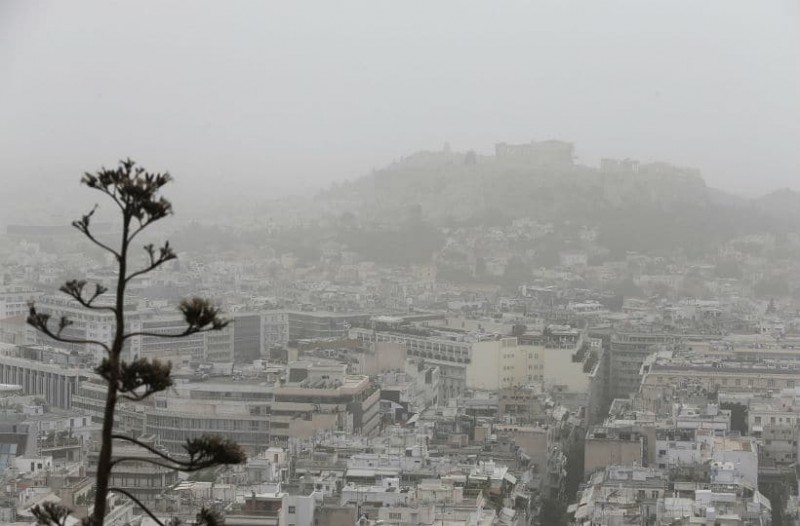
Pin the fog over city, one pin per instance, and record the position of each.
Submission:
(371, 263)
(287, 97)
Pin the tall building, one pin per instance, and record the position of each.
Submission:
(275, 329)
(248, 343)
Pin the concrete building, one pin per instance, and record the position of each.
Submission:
(383, 357)
(55, 382)
(14, 301)
(606, 445)
(683, 447)
(628, 352)
(502, 364)
(413, 389)
(525, 404)
(239, 410)
(620, 494)
(143, 479)
(248, 341)
(320, 397)
(275, 329)
(176, 350)
(662, 373)
(451, 355)
(275, 507)
(319, 324)
(774, 423)
(98, 325)
(219, 346)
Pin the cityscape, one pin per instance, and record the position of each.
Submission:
(368, 263)
(487, 379)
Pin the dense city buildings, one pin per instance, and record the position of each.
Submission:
(521, 373)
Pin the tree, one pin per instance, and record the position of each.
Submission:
(136, 193)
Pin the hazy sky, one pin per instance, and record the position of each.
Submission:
(270, 96)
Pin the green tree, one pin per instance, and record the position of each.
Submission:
(136, 194)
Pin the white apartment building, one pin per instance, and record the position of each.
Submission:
(98, 325)
(14, 301)
(501, 364)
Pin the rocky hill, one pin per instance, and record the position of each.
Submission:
(647, 207)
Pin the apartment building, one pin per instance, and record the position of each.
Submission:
(98, 325)
(502, 364)
(451, 355)
(621, 494)
(628, 352)
(239, 410)
(320, 397)
(144, 480)
(14, 301)
(665, 371)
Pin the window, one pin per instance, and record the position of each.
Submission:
(292, 509)
(395, 516)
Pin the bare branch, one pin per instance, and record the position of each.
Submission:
(130, 377)
(187, 332)
(82, 225)
(148, 447)
(154, 462)
(153, 375)
(200, 316)
(210, 450)
(93, 181)
(165, 254)
(204, 452)
(51, 514)
(138, 503)
(74, 288)
(207, 517)
(40, 322)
